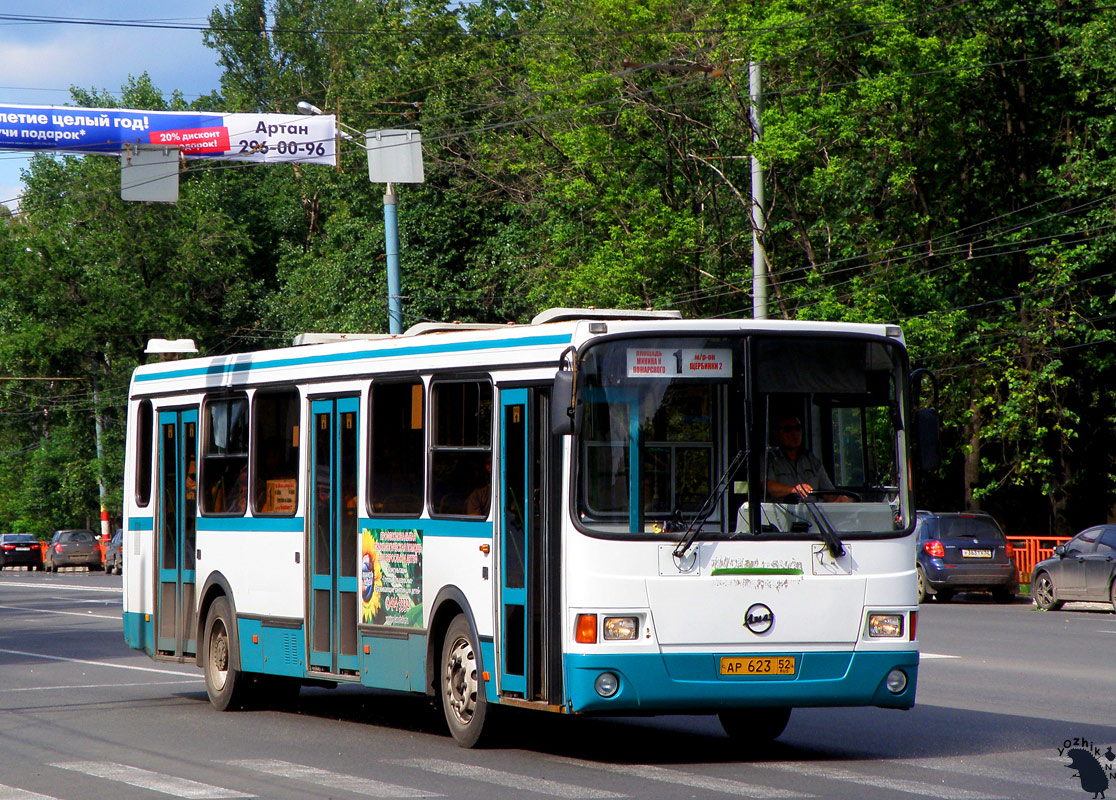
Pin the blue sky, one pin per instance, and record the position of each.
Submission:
(43, 60)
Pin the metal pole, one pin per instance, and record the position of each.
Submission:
(391, 248)
(98, 429)
(759, 224)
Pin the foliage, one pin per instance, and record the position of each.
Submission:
(943, 167)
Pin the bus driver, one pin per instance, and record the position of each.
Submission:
(792, 470)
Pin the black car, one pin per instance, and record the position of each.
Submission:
(72, 548)
(114, 557)
(20, 550)
(1084, 568)
(963, 552)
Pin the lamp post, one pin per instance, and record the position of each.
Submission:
(387, 163)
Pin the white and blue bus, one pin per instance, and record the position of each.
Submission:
(575, 515)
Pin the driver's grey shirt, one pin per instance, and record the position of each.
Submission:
(807, 468)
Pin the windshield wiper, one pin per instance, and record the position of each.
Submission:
(710, 503)
(829, 536)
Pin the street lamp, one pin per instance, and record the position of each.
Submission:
(313, 110)
(391, 209)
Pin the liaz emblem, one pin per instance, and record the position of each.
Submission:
(759, 618)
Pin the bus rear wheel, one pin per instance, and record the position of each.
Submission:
(226, 686)
(754, 726)
(461, 687)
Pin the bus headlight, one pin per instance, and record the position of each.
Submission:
(607, 684)
(885, 625)
(616, 628)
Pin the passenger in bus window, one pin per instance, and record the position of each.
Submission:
(192, 479)
(476, 504)
(230, 493)
(792, 470)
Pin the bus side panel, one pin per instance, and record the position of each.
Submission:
(137, 548)
(138, 632)
(452, 556)
(390, 663)
(260, 558)
(272, 649)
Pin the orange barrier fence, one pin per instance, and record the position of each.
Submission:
(1029, 550)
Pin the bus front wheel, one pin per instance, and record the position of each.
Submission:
(754, 726)
(461, 687)
(225, 685)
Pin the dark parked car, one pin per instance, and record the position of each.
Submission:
(75, 548)
(20, 550)
(114, 557)
(1083, 568)
(964, 552)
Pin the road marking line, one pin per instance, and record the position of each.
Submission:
(890, 784)
(67, 587)
(12, 793)
(935, 655)
(524, 783)
(83, 615)
(978, 771)
(98, 663)
(195, 679)
(146, 779)
(331, 780)
(689, 779)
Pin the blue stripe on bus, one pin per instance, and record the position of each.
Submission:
(463, 529)
(141, 523)
(280, 524)
(335, 358)
(466, 529)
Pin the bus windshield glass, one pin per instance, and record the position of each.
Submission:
(817, 420)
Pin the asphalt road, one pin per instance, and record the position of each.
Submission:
(83, 717)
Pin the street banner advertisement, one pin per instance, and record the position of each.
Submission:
(229, 137)
(391, 577)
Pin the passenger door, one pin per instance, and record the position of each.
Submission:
(334, 599)
(529, 661)
(176, 535)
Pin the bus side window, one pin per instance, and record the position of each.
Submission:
(143, 434)
(461, 453)
(396, 428)
(225, 456)
(275, 452)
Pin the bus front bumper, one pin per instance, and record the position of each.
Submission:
(692, 683)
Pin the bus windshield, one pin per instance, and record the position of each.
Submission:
(816, 420)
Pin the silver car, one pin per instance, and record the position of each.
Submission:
(114, 557)
(72, 548)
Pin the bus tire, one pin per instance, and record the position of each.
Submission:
(226, 686)
(461, 685)
(754, 726)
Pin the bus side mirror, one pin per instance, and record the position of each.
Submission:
(926, 422)
(926, 435)
(565, 410)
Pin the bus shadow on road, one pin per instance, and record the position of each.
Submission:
(813, 735)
